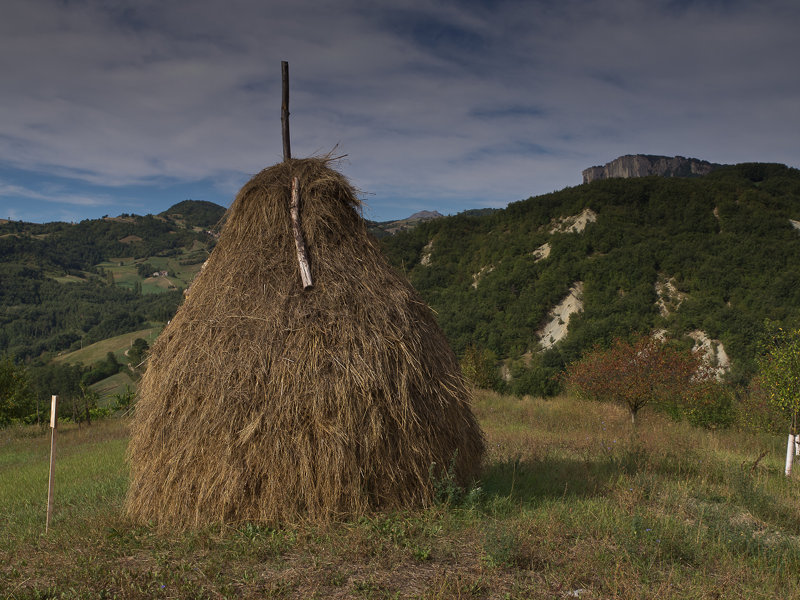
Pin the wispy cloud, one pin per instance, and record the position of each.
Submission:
(55, 195)
(452, 102)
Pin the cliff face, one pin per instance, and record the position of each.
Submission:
(641, 165)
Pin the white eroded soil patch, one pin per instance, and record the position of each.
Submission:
(541, 252)
(669, 297)
(476, 277)
(427, 251)
(575, 223)
(556, 328)
(795, 224)
(713, 352)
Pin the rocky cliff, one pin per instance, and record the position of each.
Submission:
(641, 165)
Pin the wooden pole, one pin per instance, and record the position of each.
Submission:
(51, 482)
(287, 147)
(300, 245)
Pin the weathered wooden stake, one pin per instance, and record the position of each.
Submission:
(287, 147)
(302, 257)
(51, 482)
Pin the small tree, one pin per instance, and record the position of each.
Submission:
(17, 398)
(137, 353)
(479, 367)
(634, 374)
(780, 376)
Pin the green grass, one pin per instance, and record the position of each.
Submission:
(118, 345)
(69, 279)
(126, 274)
(110, 386)
(570, 499)
(90, 478)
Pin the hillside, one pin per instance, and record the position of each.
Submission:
(383, 228)
(710, 256)
(195, 213)
(707, 259)
(65, 285)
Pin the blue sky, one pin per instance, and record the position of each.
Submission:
(134, 105)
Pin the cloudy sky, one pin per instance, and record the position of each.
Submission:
(112, 106)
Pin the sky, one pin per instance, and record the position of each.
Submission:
(130, 106)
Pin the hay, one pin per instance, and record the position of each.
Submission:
(263, 402)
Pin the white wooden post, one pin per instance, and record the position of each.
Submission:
(790, 450)
(51, 482)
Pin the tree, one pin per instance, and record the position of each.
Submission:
(780, 376)
(636, 373)
(479, 367)
(137, 354)
(17, 398)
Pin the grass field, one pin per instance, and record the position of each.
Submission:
(570, 504)
(124, 270)
(110, 386)
(118, 345)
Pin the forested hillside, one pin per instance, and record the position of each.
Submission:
(712, 257)
(720, 254)
(65, 285)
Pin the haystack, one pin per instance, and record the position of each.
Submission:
(266, 402)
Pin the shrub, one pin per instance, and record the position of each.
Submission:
(709, 404)
(479, 367)
(754, 411)
(536, 381)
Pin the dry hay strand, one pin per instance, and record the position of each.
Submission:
(264, 402)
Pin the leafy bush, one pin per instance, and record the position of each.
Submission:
(710, 404)
(124, 400)
(537, 380)
(755, 412)
(479, 367)
(101, 370)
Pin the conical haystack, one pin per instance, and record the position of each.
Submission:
(266, 402)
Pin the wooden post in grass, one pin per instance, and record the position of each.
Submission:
(50, 484)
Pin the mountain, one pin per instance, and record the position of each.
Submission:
(425, 215)
(642, 165)
(383, 228)
(195, 213)
(707, 259)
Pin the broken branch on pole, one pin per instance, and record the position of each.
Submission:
(302, 257)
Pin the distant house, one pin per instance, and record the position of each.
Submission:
(160, 274)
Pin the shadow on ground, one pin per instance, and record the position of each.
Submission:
(535, 479)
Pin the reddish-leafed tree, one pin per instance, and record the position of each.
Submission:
(636, 373)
